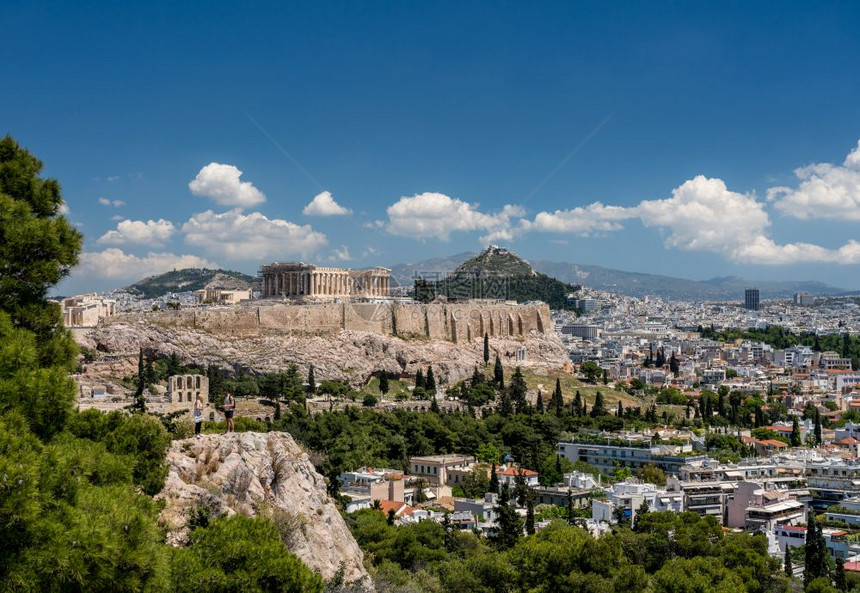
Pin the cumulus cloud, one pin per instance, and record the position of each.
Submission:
(138, 231)
(235, 236)
(435, 215)
(340, 254)
(115, 203)
(323, 204)
(588, 220)
(115, 264)
(825, 191)
(702, 214)
(222, 184)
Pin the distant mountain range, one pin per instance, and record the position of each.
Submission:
(503, 261)
(634, 284)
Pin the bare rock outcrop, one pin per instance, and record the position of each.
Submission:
(348, 355)
(255, 473)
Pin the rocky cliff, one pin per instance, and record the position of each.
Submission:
(346, 355)
(254, 473)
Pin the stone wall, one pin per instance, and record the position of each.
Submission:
(457, 322)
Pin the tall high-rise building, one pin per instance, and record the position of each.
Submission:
(804, 299)
(751, 299)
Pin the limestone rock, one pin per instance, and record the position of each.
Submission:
(253, 473)
(347, 355)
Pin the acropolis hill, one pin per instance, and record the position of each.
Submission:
(454, 322)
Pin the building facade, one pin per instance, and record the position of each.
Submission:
(308, 281)
(751, 299)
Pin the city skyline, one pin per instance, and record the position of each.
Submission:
(686, 141)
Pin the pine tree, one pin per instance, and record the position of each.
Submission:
(430, 381)
(419, 379)
(383, 382)
(539, 403)
(499, 374)
(506, 407)
(795, 433)
(312, 382)
(789, 569)
(486, 348)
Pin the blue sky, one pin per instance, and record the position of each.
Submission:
(721, 137)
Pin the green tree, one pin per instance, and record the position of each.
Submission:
(818, 439)
(795, 433)
(240, 554)
(38, 248)
(494, 479)
(419, 380)
(509, 527)
(539, 403)
(430, 381)
(598, 409)
(558, 399)
(591, 370)
(839, 578)
(789, 569)
(498, 374)
(517, 391)
(530, 515)
(486, 348)
(383, 382)
(312, 382)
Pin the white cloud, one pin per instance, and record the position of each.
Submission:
(704, 215)
(435, 215)
(115, 203)
(250, 237)
(588, 220)
(701, 215)
(222, 184)
(825, 191)
(113, 178)
(138, 231)
(323, 204)
(341, 254)
(115, 264)
(63, 209)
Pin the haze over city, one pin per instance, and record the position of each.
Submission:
(693, 141)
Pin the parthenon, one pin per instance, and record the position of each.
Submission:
(308, 281)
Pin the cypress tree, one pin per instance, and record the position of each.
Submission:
(509, 526)
(795, 433)
(530, 516)
(430, 381)
(494, 479)
(674, 365)
(499, 373)
(570, 509)
(818, 439)
(789, 569)
(577, 405)
(434, 405)
(539, 403)
(312, 383)
(383, 383)
(584, 409)
(486, 348)
(840, 581)
(558, 399)
(597, 409)
(620, 411)
(477, 378)
(141, 374)
(419, 379)
(518, 391)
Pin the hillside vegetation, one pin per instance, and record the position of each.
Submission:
(191, 279)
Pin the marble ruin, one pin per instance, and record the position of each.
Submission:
(296, 280)
(86, 310)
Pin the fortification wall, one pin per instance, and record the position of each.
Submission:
(458, 322)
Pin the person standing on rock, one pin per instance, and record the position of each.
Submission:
(198, 415)
(229, 408)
